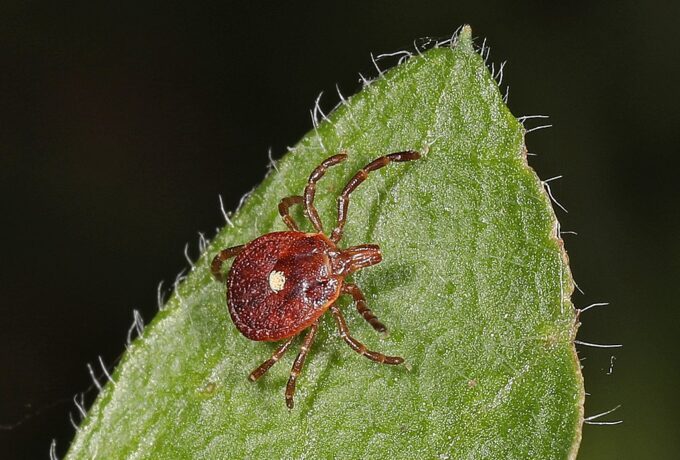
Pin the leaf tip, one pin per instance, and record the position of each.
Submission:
(465, 38)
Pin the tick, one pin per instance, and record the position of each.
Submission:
(281, 283)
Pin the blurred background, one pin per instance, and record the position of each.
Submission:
(120, 124)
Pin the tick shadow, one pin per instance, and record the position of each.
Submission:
(386, 277)
(321, 382)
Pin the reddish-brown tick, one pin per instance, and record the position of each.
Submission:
(281, 283)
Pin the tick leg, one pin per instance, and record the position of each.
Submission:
(310, 189)
(359, 347)
(284, 206)
(299, 362)
(354, 182)
(360, 300)
(220, 258)
(264, 367)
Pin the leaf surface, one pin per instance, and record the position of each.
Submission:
(474, 288)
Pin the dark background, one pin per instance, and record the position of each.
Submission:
(120, 125)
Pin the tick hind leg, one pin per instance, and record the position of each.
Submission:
(354, 182)
(359, 347)
(265, 366)
(299, 362)
(360, 301)
(220, 258)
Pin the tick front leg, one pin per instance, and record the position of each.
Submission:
(284, 206)
(359, 347)
(359, 177)
(299, 362)
(224, 255)
(264, 367)
(310, 189)
(360, 300)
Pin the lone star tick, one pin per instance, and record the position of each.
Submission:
(282, 282)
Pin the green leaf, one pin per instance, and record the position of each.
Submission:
(474, 287)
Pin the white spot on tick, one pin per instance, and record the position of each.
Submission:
(276, 280)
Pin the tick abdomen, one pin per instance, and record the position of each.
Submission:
(280, 283)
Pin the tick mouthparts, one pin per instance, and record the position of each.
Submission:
(358, 257)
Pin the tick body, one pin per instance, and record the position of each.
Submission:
(281, 283)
